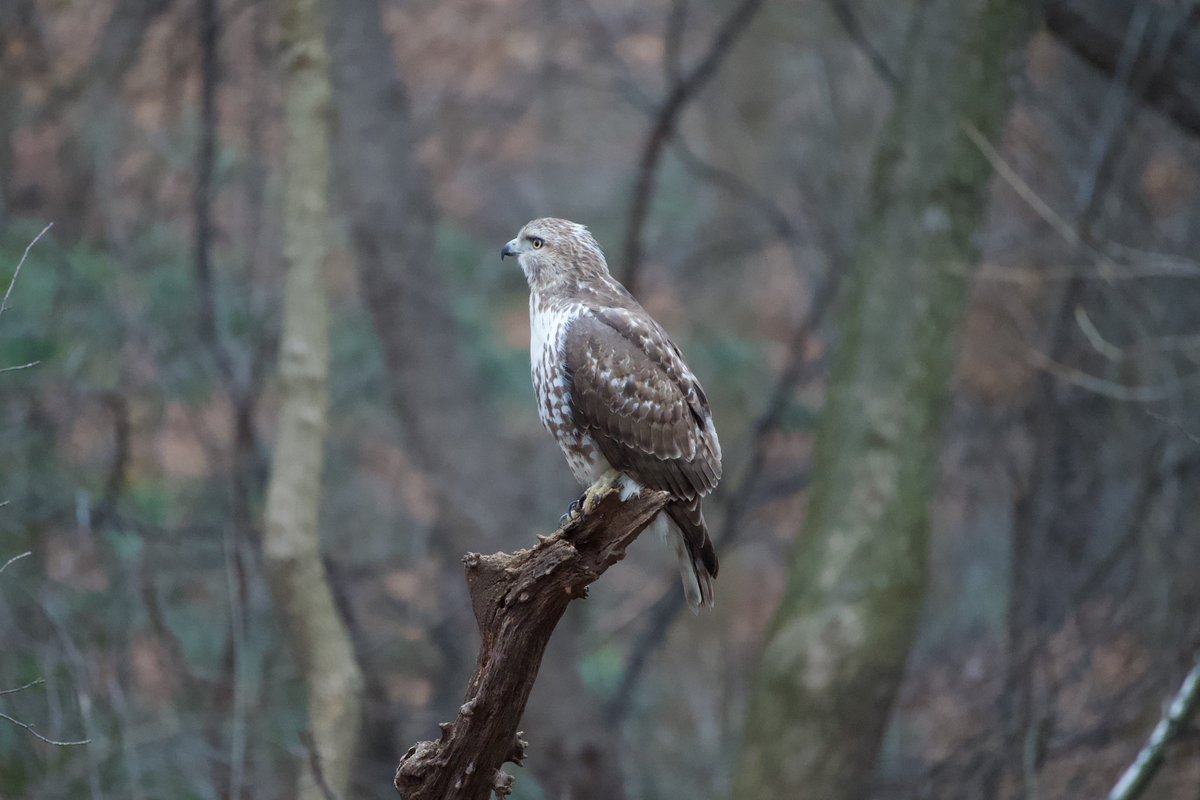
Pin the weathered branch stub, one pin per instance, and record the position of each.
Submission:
(518, 600)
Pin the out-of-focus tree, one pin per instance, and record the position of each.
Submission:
(291, 543)
(837, 647)
(393, 217)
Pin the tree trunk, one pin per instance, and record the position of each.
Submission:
(837, 647)
(310, 620)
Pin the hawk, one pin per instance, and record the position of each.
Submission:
(614, 391)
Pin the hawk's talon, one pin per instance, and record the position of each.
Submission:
(592, 499)
(573, 510)
(597, 491)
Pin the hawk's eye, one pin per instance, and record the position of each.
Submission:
(536, 242)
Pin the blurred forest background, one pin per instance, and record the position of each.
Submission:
(798, 190)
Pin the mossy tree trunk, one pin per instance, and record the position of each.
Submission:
(837, 647)
(303, 599)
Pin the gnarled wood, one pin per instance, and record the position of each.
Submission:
(518, 599)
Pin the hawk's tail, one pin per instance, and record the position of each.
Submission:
(697, 559)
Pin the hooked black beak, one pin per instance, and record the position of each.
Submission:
(508, 250)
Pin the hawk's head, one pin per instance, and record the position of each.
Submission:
(553, 250)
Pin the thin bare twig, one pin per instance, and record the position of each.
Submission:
(1183, 705)
(45, 739)
(663, 127)
(1039, 206)
(1109, 272)
(1095, 384)
(733, 183)
(673, 40)
(202, 190)
(27, 726)
(30, 685)
(16, 557)
(1194, 438)
(20, 366)
(847, 17)
(12, 282)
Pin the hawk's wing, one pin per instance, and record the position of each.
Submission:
(632, 391)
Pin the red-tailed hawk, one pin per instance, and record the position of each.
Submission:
(615, 392)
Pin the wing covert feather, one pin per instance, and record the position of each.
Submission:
(632, 391)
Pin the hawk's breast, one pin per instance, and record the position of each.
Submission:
(549, 321)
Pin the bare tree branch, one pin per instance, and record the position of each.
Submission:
(12, 282)
(209, 32)
(663, 128)
(1095, 29)
(45, 739)
(30, 685)
(314, 764)
(1194, 438)
(1183, 705)
(847, 17)
(16, 557)
(20, 366)
(518, 600)
(731, 182)
(36, 681)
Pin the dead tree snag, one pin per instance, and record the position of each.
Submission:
(518, 599)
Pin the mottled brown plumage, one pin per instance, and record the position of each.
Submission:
(614, 389)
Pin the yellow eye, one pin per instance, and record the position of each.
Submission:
(536, 242)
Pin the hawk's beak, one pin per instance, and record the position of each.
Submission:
(510, 249)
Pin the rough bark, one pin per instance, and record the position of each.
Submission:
(837, 647)
(1096, 30)
(518, 600)
(291, 544)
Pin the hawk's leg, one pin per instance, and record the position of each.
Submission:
(587, 502)
(595, 493)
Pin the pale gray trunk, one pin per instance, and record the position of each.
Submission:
(291, 542)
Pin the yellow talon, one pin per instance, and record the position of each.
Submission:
(597, 491)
